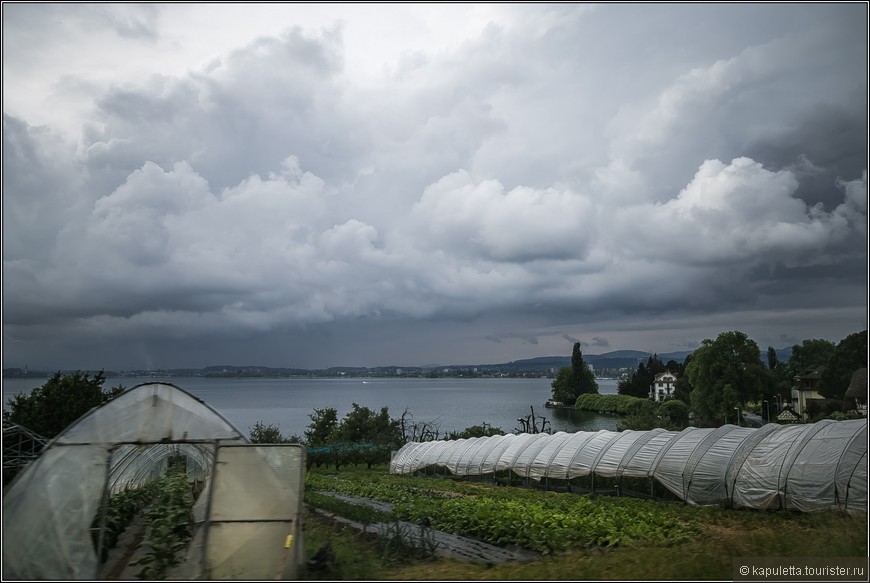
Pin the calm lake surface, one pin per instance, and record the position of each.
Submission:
(451, 404)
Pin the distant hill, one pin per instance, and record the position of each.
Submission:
(623, 354)
(615, 359)
(610, 360)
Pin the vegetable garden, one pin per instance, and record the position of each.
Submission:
(586, 537)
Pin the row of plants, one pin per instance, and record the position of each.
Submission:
(723, 536)
(541, 521)
(365, 515)
(170, 521)
(396, 540)
(120, 511)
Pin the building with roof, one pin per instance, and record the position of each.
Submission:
(663, 386)
(806, 388)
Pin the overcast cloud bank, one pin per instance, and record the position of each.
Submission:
(636, 179)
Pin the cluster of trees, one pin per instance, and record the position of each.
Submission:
(638, 414)
(51, 408)
(728, 373)
(575, 380)
(362, 436)
(638, 385)
(63, 399)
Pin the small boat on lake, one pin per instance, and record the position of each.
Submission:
(552, 403)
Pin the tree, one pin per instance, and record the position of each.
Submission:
(485, 430)
(575, 380)
(324, 423)
(849, 355)
(809, 355)
(413, 430)
(643, 378)
(368, 437)
(48, 410)
(362, 425)
(673, 414)
(725, 373)
(562, 389)
(638, 385)
(772, 361)
(683, 388)
(261, 433)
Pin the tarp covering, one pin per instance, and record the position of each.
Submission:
(50, 507)
(819, 466)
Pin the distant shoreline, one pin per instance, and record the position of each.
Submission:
(224, 373)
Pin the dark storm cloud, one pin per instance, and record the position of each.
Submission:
(827, 143)
(543, 181)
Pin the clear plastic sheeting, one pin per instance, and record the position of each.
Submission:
(155, 412)
(812, 467)
(50, 508)
(134, 464)
(254, 527)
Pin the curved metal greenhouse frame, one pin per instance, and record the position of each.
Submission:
(819, 466)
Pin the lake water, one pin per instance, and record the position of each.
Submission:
(451, 404)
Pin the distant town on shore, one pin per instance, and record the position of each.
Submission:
(615, 365)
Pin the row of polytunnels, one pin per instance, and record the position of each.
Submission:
(811, 467)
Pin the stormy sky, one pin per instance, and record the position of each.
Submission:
(365, 185)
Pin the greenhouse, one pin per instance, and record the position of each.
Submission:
(247, 519)
(811, 467)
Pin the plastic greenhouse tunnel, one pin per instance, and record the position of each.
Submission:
(246, 516)
(812, 467)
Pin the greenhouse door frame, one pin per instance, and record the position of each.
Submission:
(254, 507)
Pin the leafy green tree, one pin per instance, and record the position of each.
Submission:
(640, 382)
(634, 386)
(373, 435)
(321, 430)
(781, 377)
(849, 355)
(725, 373)
(261, 433)
(562, 389)
(485, 430)
(575, 380)
(683, 388)
(772, 360)
(48, 410)
(362, 425)
(809, 355)
(673, 414)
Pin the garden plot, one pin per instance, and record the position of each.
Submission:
(443, 544)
